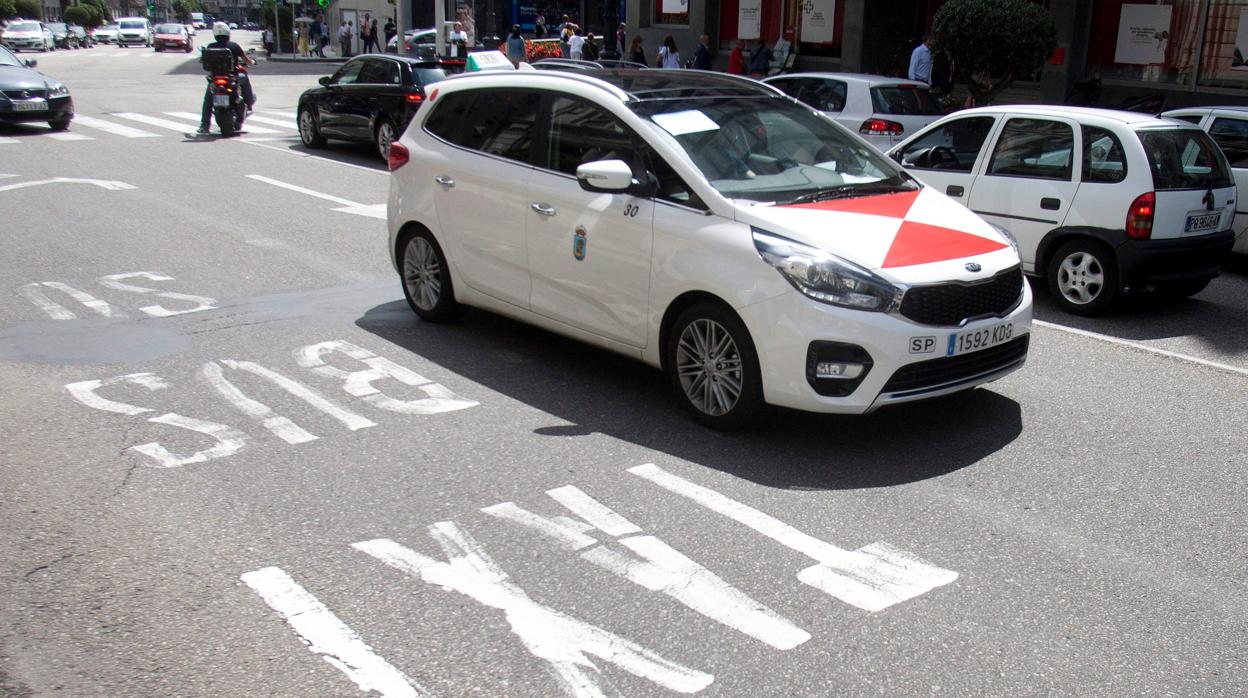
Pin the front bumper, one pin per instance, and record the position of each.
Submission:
(1147, 262)
(783, 329)
(123, 39)
(59, 109)
(23, 43)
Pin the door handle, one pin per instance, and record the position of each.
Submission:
(954, 190)
(544, 209)
(445, 181)
(1048, 203)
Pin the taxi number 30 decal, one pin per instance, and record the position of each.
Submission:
(630, 210)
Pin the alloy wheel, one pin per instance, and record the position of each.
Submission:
(385, 136)
(708, 365)
(1080, 278)
(422, 274)
(307, 126)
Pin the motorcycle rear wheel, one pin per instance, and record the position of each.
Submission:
(225, 120)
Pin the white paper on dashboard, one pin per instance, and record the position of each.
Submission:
(681, 122)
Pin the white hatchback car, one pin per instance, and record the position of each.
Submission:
(1228, 127)
(707, 225)
(881, 109)
(1101, 202)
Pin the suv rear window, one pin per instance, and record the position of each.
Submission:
(905, 99)
(1184, 159)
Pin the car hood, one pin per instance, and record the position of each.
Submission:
(913, 237)
(15, 78)
(22, 33)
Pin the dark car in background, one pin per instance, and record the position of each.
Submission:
(370, 99)
(62, 37)
(27, 95)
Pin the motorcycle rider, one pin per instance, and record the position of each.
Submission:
(221, 34)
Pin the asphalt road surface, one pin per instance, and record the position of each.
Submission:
(234, 463)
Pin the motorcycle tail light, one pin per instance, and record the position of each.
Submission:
(398, 156)
(221, 82)
(1140, 216)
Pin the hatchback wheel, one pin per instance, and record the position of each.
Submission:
(713, 367)
(1083, 277)
(386, 134)
(427, 280)
(309, 132)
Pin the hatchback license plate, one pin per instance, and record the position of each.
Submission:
(220, 100)
(983, 338)
(1201, 222)
(31, 105)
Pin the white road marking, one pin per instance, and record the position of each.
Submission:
(326, 635)
(195, 117)
(661, 568)
(229, 441)
(303, 190)
(84, 392)
(110, 127)
(113, 281)
(1143, 347)
(59, 312)
(154, 121)
(557, 638)
(66, 136)
(872, 578)
(273, 122)
(360, 383)
(290, 115)
(110, 185)
(261, 143)
(5, 140)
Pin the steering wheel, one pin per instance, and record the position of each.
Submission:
(941, 155)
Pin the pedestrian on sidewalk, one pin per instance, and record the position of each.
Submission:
(921, 60)
(303, 41)
(589, 50)
(668, 57)
(637, 51)
(621, 39)
(314, 36)
(576, 44)
(389, 31)
(320, 51)
(702, 55)
(760, 60)
(515, 45)
(736, 59)
(539, 27)
(344, 39)
(373, 33)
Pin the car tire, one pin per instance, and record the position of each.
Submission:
(713, 367)
(426, 278)
(1182, 289)
(61, 125)
(385, 134)
(1082, 277)
(309, 132)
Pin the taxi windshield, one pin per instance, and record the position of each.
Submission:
(772, 150)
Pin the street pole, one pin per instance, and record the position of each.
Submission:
(400, 19)
(439, 18)
(277, 31)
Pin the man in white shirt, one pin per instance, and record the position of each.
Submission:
(576, 44)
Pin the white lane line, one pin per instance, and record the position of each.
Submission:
(872, 578)
(273, 122)
(67, 137)
(303, 190)
(5, 140)
(326, 635)
(1143, 347)
(110, 127)
(195, 117)
(265, 143)
(155, 121)
(289, 115)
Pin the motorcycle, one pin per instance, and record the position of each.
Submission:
(228, 107)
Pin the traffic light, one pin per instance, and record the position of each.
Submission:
(323, 3)
(151, 8)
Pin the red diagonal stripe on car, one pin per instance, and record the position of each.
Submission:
(890, 205)
(919, 243)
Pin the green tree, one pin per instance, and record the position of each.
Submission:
(7, 9)
(100, 9)
(182, 9)
(28, 9)
(80, 15)
(993, 42)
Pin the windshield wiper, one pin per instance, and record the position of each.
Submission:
(849, 190)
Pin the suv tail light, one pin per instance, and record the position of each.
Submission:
(880, 127)
(415, 98)
(398, 156)
(1140, 216)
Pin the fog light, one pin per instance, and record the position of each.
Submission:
(845, 371)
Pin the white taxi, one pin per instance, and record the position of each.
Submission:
(707, 225)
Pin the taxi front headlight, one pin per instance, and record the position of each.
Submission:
(823, 276)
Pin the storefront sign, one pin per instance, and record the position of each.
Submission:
(1143, 33)
(749, 16)
(818, 20)
(675, 7)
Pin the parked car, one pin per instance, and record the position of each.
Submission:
(882, 110)
(28, 35)
(134, 31)
(1228, 126)
(420, 41)
(106, 34)
(566, 64)
(705, 224)
(27, 95)
(172, 36)
(82, 36)
(1101, 202)
(371, 98)
(62, 37)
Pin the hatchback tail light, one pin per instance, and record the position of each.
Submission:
(1140, 216)
(415, 98)
(398, 156)
(880, 127)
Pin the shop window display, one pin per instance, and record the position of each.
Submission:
(1224, 57)
(1154, 42)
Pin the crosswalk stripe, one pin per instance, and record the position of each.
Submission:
(195, 117)
(154, 121)
(68, 137)
(4, 140)
(290, 115)
(115, 129)
(273, 122)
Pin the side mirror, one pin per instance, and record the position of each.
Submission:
(30, 63)
(325, 80)
(895, 155)
(605, 176)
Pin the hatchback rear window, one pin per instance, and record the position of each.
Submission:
(905, 99)
(1184, 159)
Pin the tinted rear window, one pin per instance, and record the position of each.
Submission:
(1184, 159)
(426, 76)
(903, 100)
